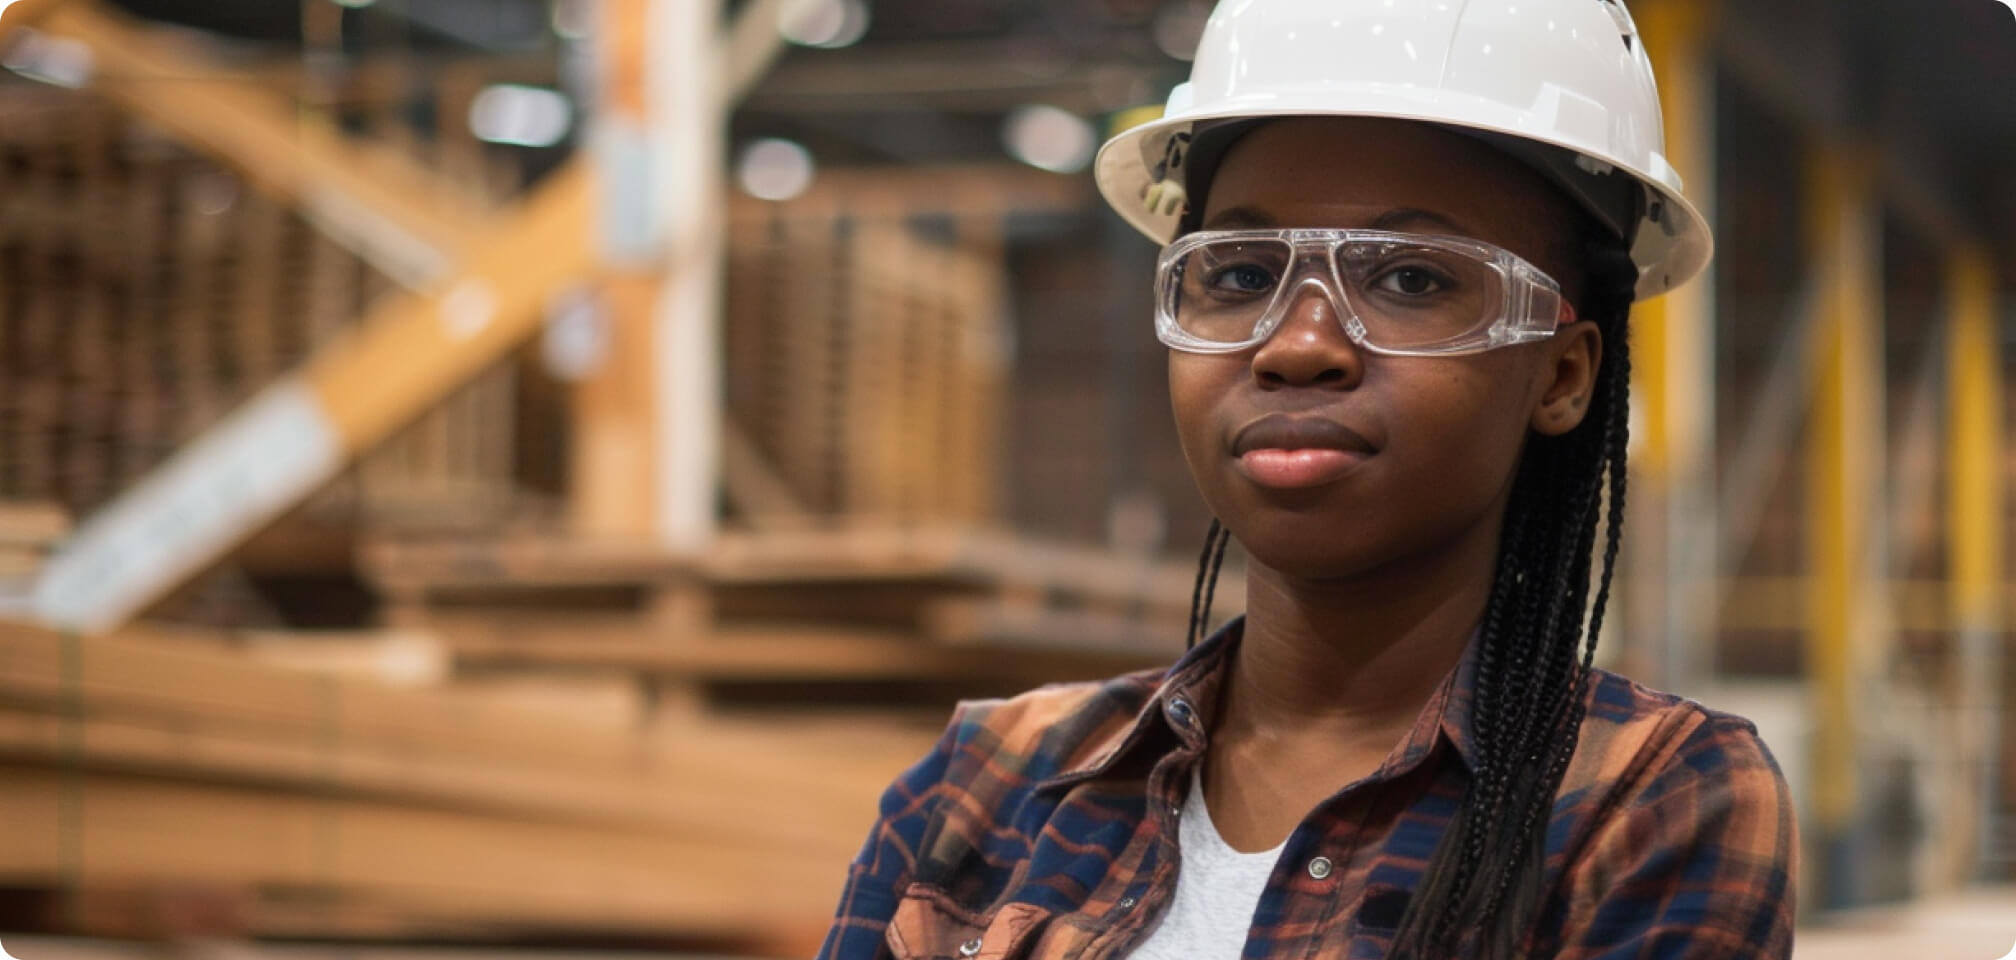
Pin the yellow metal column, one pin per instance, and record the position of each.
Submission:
(1975, 509)
(1844, 465)
(1673, 367)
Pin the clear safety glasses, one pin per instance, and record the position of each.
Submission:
(1394, 293)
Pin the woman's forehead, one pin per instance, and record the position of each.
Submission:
(1389, 174)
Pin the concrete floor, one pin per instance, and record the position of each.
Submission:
(1974, 925)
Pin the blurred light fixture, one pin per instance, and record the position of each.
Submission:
(355, 4)
(1179, 27)
(1050, 138)
(830, 24)
(775, 169)
(56, 60)
(573, 19)
(521, 116)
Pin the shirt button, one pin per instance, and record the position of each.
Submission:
(1127, 903)
(970, 948)
(1319, 868)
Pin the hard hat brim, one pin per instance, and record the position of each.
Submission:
(1674, 243)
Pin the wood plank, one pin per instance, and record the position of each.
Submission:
(445, 864)
(668, 794)
(783, 654)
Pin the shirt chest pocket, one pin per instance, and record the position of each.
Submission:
(927, 926)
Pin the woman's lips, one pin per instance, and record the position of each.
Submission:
(1290, 452)
(1297, 469)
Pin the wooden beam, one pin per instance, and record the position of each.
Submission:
(646, 466)
(297, 433)
(19, 14)
(373, 202)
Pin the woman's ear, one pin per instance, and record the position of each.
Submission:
(1573, 355)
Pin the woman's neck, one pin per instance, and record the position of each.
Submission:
(1353, 657)
(1328, 677)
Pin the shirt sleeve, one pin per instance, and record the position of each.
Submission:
(877, 877)
(1697, 864)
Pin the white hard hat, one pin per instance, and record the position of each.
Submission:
(1562, 84)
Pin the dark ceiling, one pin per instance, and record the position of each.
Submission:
(1936, 78)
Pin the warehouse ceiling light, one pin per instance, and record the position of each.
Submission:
(775, 169)
(1050, 138)
(829, 24)
(1179, 27)
(573, 19)
(521, 116)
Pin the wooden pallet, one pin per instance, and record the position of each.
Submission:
(835, 606)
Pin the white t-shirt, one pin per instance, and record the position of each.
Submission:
(1217, 889)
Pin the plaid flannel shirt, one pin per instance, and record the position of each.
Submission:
(1044, 827)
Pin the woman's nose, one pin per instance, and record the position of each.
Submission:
(1310, 347)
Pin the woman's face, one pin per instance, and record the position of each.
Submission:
(1400, 457)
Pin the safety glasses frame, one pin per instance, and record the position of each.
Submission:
(1532, 306)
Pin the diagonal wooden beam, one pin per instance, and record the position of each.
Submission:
(16, 14)
(296, 434)
(406, 355)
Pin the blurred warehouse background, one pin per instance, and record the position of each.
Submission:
(524, 474)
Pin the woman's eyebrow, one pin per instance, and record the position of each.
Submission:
(1401, 216)
(1237, 218)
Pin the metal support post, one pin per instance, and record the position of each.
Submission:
(1975, 508)
(1674, 557)
(1848, 594)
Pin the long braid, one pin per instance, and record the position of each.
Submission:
(1205, 570)
(1211, 581)
(1532, 665)
(1616, 438)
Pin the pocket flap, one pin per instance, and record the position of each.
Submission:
(928, 926)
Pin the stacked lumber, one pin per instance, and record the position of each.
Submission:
(330, 805)
(149, 290)
(971, 612)
(867, 345)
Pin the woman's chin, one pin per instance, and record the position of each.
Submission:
(1306, 552)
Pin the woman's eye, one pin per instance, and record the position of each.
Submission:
(1411, 281)
(1244, 278)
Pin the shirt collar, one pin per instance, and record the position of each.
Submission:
(1180, 710)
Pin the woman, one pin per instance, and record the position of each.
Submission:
(1403, 245)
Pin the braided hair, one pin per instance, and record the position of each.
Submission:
(1533, 658)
